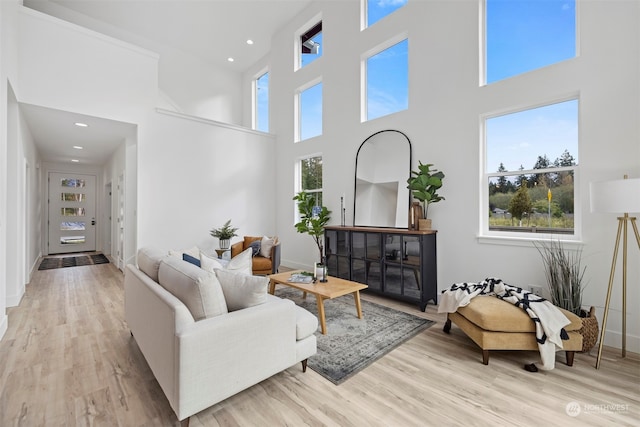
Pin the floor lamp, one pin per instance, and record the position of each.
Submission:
(622, 197)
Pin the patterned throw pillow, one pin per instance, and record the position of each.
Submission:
(255, 247)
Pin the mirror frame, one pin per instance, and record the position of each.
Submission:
(355, 177)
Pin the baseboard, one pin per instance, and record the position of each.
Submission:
(4, 324)
(295, 265)
(614, 339)
(14, 300)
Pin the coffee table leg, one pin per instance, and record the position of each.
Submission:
(272, 287)
(356, 298)
(323, 323)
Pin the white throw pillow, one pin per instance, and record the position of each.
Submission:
(265, 246)
(149, 261)
(193, 251)
(242, 291)
(242, 263)
(209, 263)
(199, 290)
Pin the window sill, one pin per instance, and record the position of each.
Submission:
(526, 241)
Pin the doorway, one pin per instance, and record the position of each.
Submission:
(72, 213)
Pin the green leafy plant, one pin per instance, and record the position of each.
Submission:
(424, 185)
(225, 232)
(564, 275)
(312, 223)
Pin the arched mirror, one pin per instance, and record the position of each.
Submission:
(383, 165)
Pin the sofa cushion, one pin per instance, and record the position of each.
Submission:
(261, 263)
(266, 244)
(209, 263)
(199, 290)
(149, 261)
(241, 290)
(306, 323)
(241, 263)
(194, 251)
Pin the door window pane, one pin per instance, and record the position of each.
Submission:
(73, 225)
(72, 240)
(73, 197)
(72, 211)
(72, 183)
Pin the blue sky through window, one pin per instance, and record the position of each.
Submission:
(378, 9)
(262, 103)
(523, 35)
(388, 81)
(311, 112)
(519, 138)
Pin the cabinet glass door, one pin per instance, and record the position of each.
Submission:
(402, 265)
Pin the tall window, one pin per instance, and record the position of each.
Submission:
(261, 102)
(524, 35)
(310, 45)
(310, 112)
(378, 9)
(387, 81)
(530, 167)
(310, 177)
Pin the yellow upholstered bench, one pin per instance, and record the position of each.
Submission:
(494, 324)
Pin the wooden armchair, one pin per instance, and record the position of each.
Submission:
(261, 265)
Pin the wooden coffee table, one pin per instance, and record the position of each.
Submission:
(334, 287)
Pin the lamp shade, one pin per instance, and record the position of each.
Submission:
(618, 196)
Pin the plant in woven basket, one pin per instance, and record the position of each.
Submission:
(565, 274)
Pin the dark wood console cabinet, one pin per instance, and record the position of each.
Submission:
(393, 262)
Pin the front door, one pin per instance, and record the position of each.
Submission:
(72, 212)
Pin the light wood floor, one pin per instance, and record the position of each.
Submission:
(68, 359)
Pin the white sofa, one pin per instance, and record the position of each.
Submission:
(230, 348)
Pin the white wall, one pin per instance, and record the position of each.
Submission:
(190, 85)
(443, 122)
(203, 174)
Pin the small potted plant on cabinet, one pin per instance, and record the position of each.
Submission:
(424, 185)
(224, 234)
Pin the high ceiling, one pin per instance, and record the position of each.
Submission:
(213, 30)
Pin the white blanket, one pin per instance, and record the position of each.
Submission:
(549, 320)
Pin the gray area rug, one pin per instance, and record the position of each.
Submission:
(352, 344)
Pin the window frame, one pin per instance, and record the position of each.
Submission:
(483, 63)
(486, 235)
(298, 110)
(309, 26)
(364, 94)
(298, 180)
(254, 97)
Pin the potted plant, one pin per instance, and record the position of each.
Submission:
(424, 184)
(224, 234)
(313, 218)
(565, 275)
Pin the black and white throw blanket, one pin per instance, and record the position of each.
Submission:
(549, 320)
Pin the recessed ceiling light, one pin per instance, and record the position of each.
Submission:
(230, 59)
(249, 41)
(75, 160)
(82, 125)
(77, 147)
